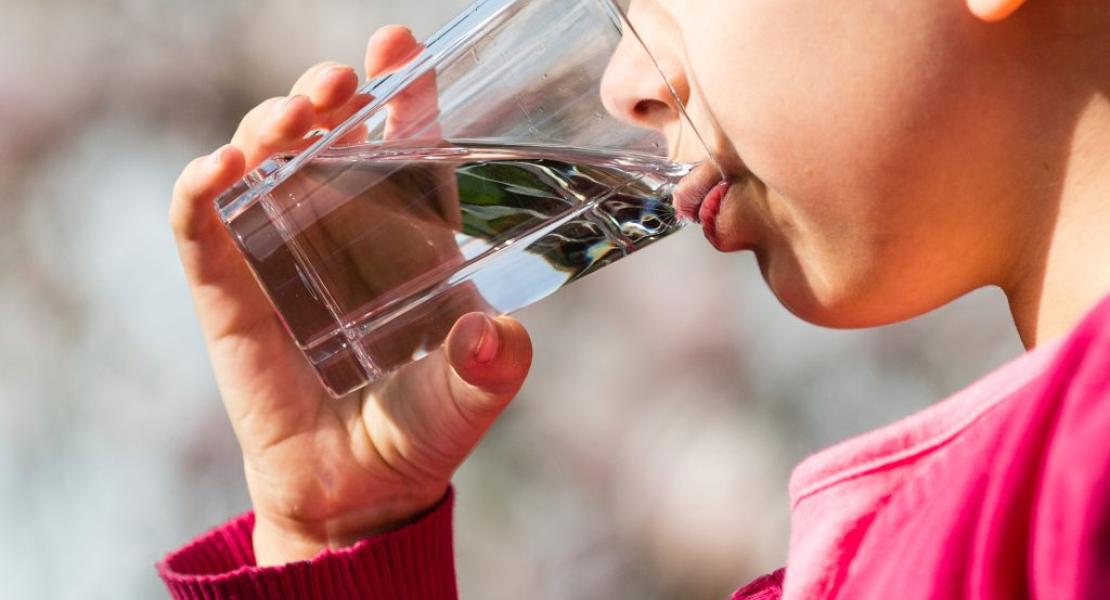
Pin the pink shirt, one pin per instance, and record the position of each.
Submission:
(1001, 491)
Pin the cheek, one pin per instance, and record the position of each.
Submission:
(836, 109)
(817, 97)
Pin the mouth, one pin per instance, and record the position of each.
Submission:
(698, 198)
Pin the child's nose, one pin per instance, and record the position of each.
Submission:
(634, 91)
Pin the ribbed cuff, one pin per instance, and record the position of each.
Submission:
(414, 562)
(767, 587)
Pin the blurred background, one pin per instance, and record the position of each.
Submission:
(647, 456)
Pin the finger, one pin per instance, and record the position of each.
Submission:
(489, 358)
(259, 370)
(328, 85)
(191, 213)
(227, 297)
(341, 114)
(337, 116)
(390, 48)
(357, 134)
(437, 409)
(274, 125)
(414, 111)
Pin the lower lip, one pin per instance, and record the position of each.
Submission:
(709, 210)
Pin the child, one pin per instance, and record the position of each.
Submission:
(883, 158)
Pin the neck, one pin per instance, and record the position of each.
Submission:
(1065, 266)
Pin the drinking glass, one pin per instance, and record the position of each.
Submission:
(484, 175)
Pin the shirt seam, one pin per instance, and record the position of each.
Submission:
(921, 447)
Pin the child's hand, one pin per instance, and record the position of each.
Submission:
(324, 472)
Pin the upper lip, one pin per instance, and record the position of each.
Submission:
(693, 189)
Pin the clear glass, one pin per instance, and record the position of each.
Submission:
(484, 175)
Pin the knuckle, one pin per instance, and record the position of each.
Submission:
(307, 78)
(268, 104)
(261, 110)
(251, 127)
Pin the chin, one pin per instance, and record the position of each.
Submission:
(838, 303)
(818, 311)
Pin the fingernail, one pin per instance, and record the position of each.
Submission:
(488, 344)
(334, 69)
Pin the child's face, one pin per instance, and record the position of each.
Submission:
(866, 139)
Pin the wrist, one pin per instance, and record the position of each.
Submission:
(278, 539)
(277, 544)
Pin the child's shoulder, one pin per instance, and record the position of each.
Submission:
(1070, 500)
(1081, 369)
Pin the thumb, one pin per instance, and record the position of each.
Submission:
(490, 358)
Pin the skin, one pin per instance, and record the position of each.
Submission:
(881, 175)
(887, 158)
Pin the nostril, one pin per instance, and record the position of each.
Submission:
(646, 109)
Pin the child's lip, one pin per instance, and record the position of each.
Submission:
(699, 197)
(693, 189)
(710, 208)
